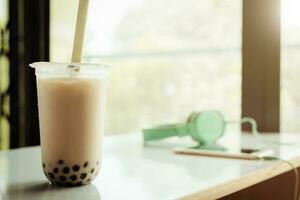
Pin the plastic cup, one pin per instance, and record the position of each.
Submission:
(71, 102)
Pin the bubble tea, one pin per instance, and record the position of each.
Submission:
(71, 101)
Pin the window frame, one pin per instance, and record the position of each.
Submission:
(261, 63)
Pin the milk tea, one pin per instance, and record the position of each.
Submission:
(71, 112)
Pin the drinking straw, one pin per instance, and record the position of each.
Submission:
(80, 30)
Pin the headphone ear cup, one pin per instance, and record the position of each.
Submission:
(192, 123)
(207, 126)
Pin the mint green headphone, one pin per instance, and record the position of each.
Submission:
(205, 127)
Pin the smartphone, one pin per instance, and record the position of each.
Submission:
(243, 153)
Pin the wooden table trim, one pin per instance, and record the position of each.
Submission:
(245, 181)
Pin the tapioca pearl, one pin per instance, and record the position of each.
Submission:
(69, 184)
(83, 175)
(85, 164)
(60, 162)
(92, 170)
(58, 183)
(55, 170)
(66, 170)
(78, 183)
(62, 178)
(73, 177)
(51, 176)
(76, 168)
(44, 166)
(88, 180)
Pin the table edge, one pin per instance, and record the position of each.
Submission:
(243, 182)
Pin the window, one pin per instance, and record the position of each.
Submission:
(290, 66)
(4, 77)
(169, 57)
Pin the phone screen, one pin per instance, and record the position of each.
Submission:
(245, 150)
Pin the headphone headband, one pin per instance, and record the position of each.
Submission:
(205, 127)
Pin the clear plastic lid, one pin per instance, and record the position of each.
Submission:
(74, 70)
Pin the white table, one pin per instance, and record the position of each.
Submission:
(132, 171)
